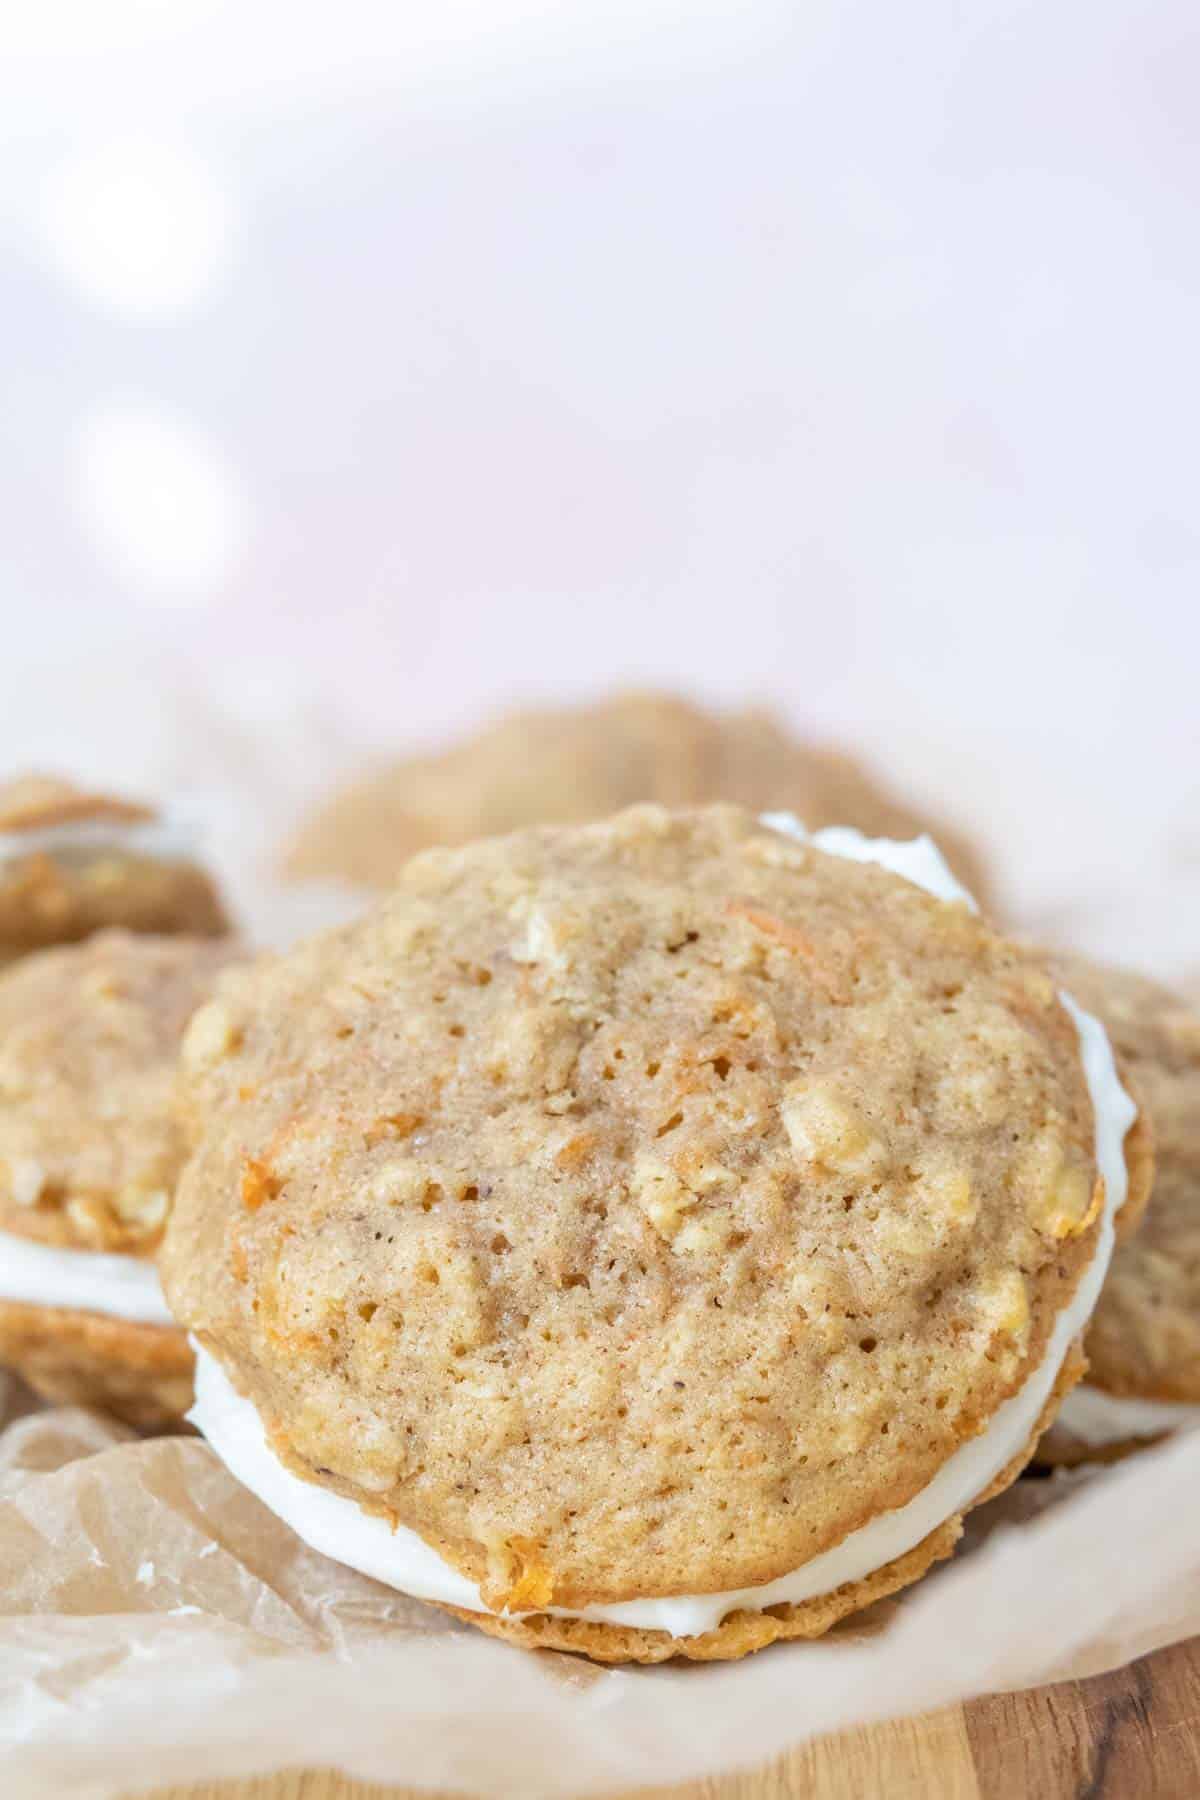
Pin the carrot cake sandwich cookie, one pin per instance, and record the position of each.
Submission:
(565, 765)
(73, 862)
(648, 1238)
(90, 1148)
(1143, 1345)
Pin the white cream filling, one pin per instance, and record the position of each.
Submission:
(1097, 1418)
(916, 859)
(340, 1529)
(123, 1287)
(165, 840)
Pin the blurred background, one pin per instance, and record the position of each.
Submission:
(369, 368)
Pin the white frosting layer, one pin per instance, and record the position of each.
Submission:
(124, 1287)
(165, 840)
(1097, 1418)
(917, 860)
(400, 1557)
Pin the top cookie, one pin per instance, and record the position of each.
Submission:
(566, 765)
(1145, 1336)
(73, 862)
(638, 1208)
(90, 1145)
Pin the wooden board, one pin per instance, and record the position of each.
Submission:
(1132, 1735)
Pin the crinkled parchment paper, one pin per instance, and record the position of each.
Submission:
(157, 1624)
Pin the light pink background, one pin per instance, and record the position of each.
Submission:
(363, 370)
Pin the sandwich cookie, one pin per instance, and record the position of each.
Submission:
(1143, 1347)
(646, 1239)
(73, 862)
(90, 1148)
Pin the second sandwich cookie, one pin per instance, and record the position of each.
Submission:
(90, 1148)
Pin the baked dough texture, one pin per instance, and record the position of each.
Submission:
(85, 881)
(90, 1143)
(635, 1209)
(139, 1373)
(90, 1150)
(566, 765)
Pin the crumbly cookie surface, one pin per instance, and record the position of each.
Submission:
(568, 765)
(71, 863)
(1145, 1335)
(90, 1144)
(636, 1208)
(139, 1373)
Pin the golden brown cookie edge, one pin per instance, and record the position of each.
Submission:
(140, 1373)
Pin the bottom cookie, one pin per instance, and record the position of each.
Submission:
(736, 1636)
(744, 1632)
(139, 1373)
(1097, 1426)
(1061, 1449)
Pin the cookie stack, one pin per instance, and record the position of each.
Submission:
(646, 1235)
(90, 1139)
(72, 862)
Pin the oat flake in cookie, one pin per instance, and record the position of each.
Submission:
(668, 1227)
(90, 1150)
(1143, 1347)
(73, 862)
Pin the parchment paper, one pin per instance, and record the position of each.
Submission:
(157, 1624)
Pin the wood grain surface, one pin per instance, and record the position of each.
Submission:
(1131, 1735)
